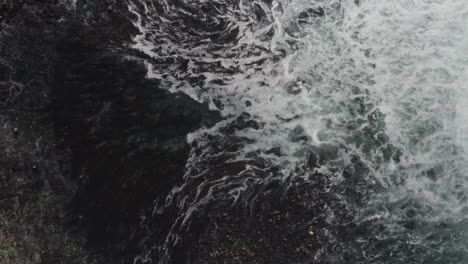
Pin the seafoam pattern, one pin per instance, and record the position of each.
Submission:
(387, 80)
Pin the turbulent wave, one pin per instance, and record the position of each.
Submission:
(365, 101)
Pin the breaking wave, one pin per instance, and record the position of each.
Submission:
(370, 95)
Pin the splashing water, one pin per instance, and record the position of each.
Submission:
(382, 82)
(420, 53)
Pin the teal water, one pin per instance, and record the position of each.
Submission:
(385, 82)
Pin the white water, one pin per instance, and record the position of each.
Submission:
(406, 59)
(420, 51)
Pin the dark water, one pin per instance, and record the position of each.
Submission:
(342, 137)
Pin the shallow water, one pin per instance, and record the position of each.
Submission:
(382, 82)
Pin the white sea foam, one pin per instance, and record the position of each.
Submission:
(406, 59)
(420, 49)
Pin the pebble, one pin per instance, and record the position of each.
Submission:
(311, 233)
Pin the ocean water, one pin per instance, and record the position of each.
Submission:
(373, 89)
